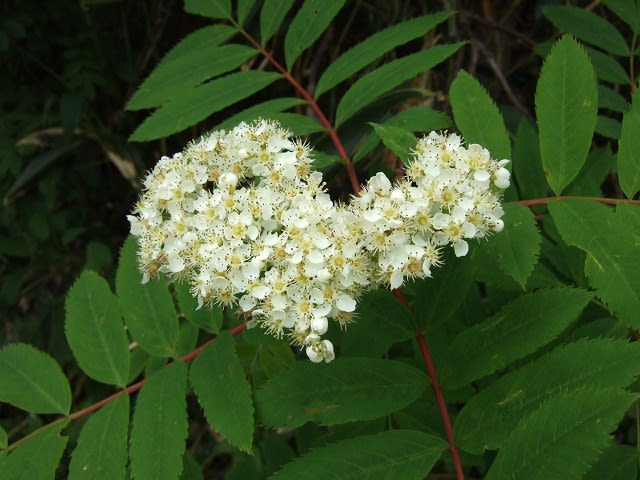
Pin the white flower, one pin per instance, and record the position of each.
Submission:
(241, 215)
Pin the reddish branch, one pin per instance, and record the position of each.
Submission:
(608, 201)
(137, 386)
(442, 405)
(353, 178)
(333, 134)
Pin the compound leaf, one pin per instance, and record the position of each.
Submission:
(170, 81)
(487, 420)
(389, 76)
(364, 53)
(201, 101)
(195, 52)
(564, 436)
(519, 329)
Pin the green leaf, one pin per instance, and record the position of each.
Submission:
(607, 68)
(148, 309)
(600, 163)
(608, 127)
(629, 215)
(588, 27)
(311, 19)
(628, 148)
(271, 16)
(209, 8)
(38, 457)
(367, 51)
(170, 81)
(159, 427)
(191, 469)
(381, 321)
(389, 76)
(197, 46)
(566, 434)
(244, 8)
(4, 440)
(401, 454)
(566, 106)
(627, 10)
(38, 164)
(339, 392)
(518, 329)
(436, 302)
(616, 462)
(612, 263)
(102, 445)
(478, 117)
(527, 165)
(488, 418)
(262, 110)
(419, 119)
(263, 355)
(219, 381)
(201, 101)
(299, 125)
(396, 139)
(95, 331)
(413, 119)
(611, 100)
(187, 338)
(209, 318)
(32, 380)
(322, 159)
(518, 246)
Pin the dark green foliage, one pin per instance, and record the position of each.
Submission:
(533, 334)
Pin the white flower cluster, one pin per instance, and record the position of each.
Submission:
(243, 218)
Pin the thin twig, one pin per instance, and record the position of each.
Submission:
(500, 76)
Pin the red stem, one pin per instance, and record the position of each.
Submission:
(137, 386)
(545, 201)
(351, 171)
(442, 406)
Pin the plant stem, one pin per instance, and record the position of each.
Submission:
(546, 200)
(333, 134)
(431, 370)
(130, 389)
